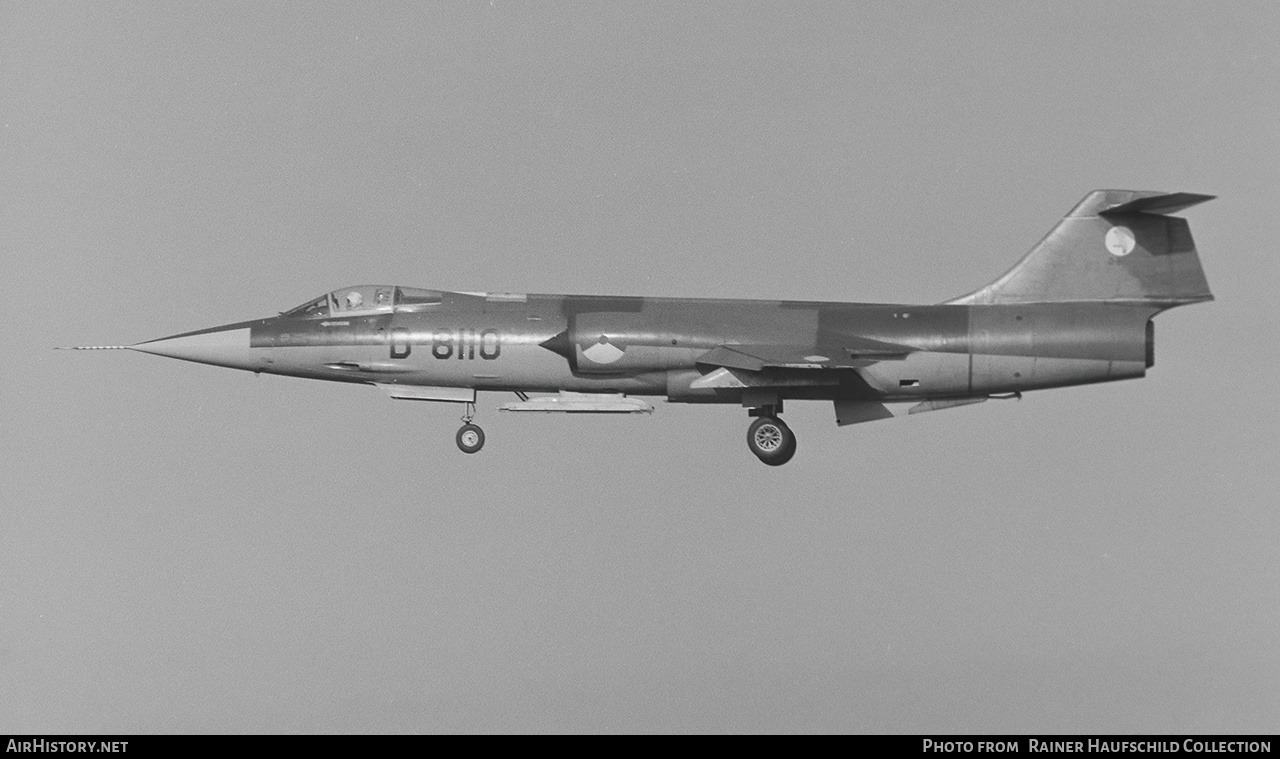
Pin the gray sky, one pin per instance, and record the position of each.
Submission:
(185, 548)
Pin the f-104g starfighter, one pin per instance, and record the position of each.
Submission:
(1077, 309)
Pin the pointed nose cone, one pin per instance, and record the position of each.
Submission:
(221, 346)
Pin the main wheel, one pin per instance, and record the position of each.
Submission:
(470, 438)
(771, 440)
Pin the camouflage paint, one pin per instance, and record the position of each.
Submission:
(1077, 309)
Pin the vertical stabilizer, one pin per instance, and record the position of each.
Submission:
(1114, 246)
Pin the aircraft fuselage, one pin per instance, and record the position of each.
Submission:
(654, 346)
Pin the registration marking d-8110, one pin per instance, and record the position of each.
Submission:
(448, 343)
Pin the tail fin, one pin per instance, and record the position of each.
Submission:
(1114, 246)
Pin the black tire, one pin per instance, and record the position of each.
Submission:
(771, 440)
(470, 438)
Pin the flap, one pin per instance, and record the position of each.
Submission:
(849, 353)
(428, 393)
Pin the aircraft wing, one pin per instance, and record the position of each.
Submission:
(849, 353)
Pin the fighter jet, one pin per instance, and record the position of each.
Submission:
(1076, 309)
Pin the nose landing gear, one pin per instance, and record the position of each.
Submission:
(470, 437)
(771, 440)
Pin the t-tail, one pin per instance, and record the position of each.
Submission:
(1115, 246)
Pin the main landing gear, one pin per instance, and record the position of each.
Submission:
(770, 439)
(470, 438)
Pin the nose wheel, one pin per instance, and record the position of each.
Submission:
(771, 440)
(470, 437)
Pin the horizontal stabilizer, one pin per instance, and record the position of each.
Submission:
(1166, 203)
(582, 403)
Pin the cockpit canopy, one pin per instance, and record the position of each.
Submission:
(367, 299)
